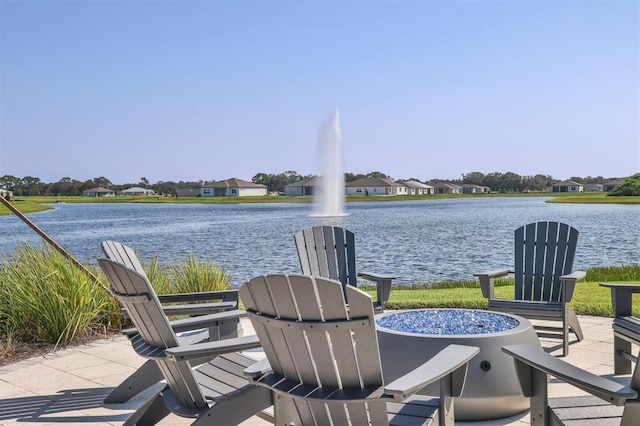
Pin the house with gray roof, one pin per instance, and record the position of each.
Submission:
(99, 192)
(375, 186)
(446, 188)
(306, 186)
(567, 186)
(233, 187)
(137, 191)
(416, 188)
(468, 188)
(593, 187)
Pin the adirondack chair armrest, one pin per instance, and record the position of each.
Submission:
(195, 323)
(531, 360)
(487, 279)
(621, 297)
(257, 370)
(209, 350)
(383, 284)
(205, 321)
(222, 295)
(199, 308)
(450, 364)
(633, 288)
(569, 284)
(195, 308)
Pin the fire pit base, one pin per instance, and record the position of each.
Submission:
(492, 389)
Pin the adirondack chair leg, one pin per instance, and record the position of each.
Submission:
(631, 413)
(540, 413)
(383, 289)
(150, 413)
(147, 375)
(565, 333)
(445, 412)
(621, 364)
(574, 324)
(237, 409)
(283, 412)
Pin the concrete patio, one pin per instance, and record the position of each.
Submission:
(67, 387)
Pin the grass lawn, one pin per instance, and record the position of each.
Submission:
(24, 206)
(589, 298)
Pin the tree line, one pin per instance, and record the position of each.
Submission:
(500, 182)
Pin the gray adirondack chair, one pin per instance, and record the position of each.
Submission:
(218, 301)
(626, 327)
(222, 326)
(611, 403)
(323, 361)
(544, 281)
(330, 252)
(213, 393)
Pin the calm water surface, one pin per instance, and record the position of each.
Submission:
(418, 241)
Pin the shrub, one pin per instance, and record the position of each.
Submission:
(630, 187)
(45, 298)
(192, 275)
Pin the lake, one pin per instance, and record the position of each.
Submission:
(418, 241)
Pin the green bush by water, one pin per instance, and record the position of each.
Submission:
(193, 275)
(44, 298)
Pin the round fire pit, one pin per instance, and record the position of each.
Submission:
(409, 338)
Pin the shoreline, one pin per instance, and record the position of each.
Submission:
(34, 204)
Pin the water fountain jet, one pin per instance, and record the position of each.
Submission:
(329, 196)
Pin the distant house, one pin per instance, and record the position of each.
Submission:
(233, 187)
(137, 191)
(612, 184)
(468, 188)
(567, 186)
(306, 186)
(446, 188)
(188, 192)
(416, 188)
(6, 194)
(99, 192)
(593, 187)
(375, 186)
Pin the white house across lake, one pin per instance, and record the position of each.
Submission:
(233, 187)
(375, 186)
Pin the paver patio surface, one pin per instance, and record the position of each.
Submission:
(67, 387)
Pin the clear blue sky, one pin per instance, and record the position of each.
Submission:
(190, 90)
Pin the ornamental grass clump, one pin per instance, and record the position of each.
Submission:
(192, 275)
(45, 298)
(159, 276)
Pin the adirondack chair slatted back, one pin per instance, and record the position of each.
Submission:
(309, 337)
(329, 252)
(134, 291)
(122, 254)
(544, 251)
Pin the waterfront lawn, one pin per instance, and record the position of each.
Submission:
(24, 206)
(589, 298)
